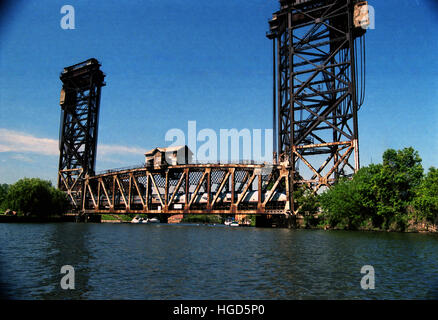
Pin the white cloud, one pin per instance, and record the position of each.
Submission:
(14, 141)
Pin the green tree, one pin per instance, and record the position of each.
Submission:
(307, 204)
(342, 205)
(379, 195)
(364, 182)
(426, 199)
(351, 203)
(3, 192)
(36, 197)
(395, 186)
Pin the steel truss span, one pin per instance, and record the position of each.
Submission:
(80, 102)
(190, 189)
(318, 89)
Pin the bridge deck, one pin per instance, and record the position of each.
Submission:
(185, 189)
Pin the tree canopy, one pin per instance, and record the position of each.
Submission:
(384, 196)
(3, 192)
(426, 197)
(35, 197)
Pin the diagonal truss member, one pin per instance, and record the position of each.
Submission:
(317, 89)
(80, 102)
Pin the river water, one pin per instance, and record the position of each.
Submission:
(126, 261)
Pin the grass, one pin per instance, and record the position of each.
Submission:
(201, 218)
(108, 217)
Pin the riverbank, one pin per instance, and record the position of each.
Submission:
(50, 219)
(412, 228)
(113, 219)
(23, 219)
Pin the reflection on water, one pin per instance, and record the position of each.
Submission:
(202, 262)
(67, 245)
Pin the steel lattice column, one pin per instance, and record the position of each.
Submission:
(80, 102)
(317, 104)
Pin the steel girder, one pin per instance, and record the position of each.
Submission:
(189, 189)
(80, 102)
(316, 90)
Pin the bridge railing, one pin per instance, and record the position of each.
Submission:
(194, 162)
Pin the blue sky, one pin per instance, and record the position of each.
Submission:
(171, 61)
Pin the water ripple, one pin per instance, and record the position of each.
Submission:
(200, 262)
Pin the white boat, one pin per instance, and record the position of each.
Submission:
(231, 223)
(139, 220)
(153, 220)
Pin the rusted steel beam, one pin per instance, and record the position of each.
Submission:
(64, 184)
(346, 154)
(110, 203)
(187, 166)
(130, 190)
(91, 194)
(208, 171)
(195, 193)
(114, 192)
(176, 188)
(316, 102)
(219, 190)
(323, 166)
(259, 196)
(122, 200)
(356, 154)
(98, 196)
(80, 104)
(192, 212)
(243, 194)
(148, 191)
(307, 164)
(156, 188)
(245, 179)
(84, 197)
(138, 191)
(187, 186)
(166, 191)
(328, 144)
(233, 188)
(122, 192)
(271, 192)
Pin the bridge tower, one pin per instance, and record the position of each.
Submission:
(80, 102)
(318, 50)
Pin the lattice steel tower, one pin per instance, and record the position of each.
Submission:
(80, 102)
(319, 56)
